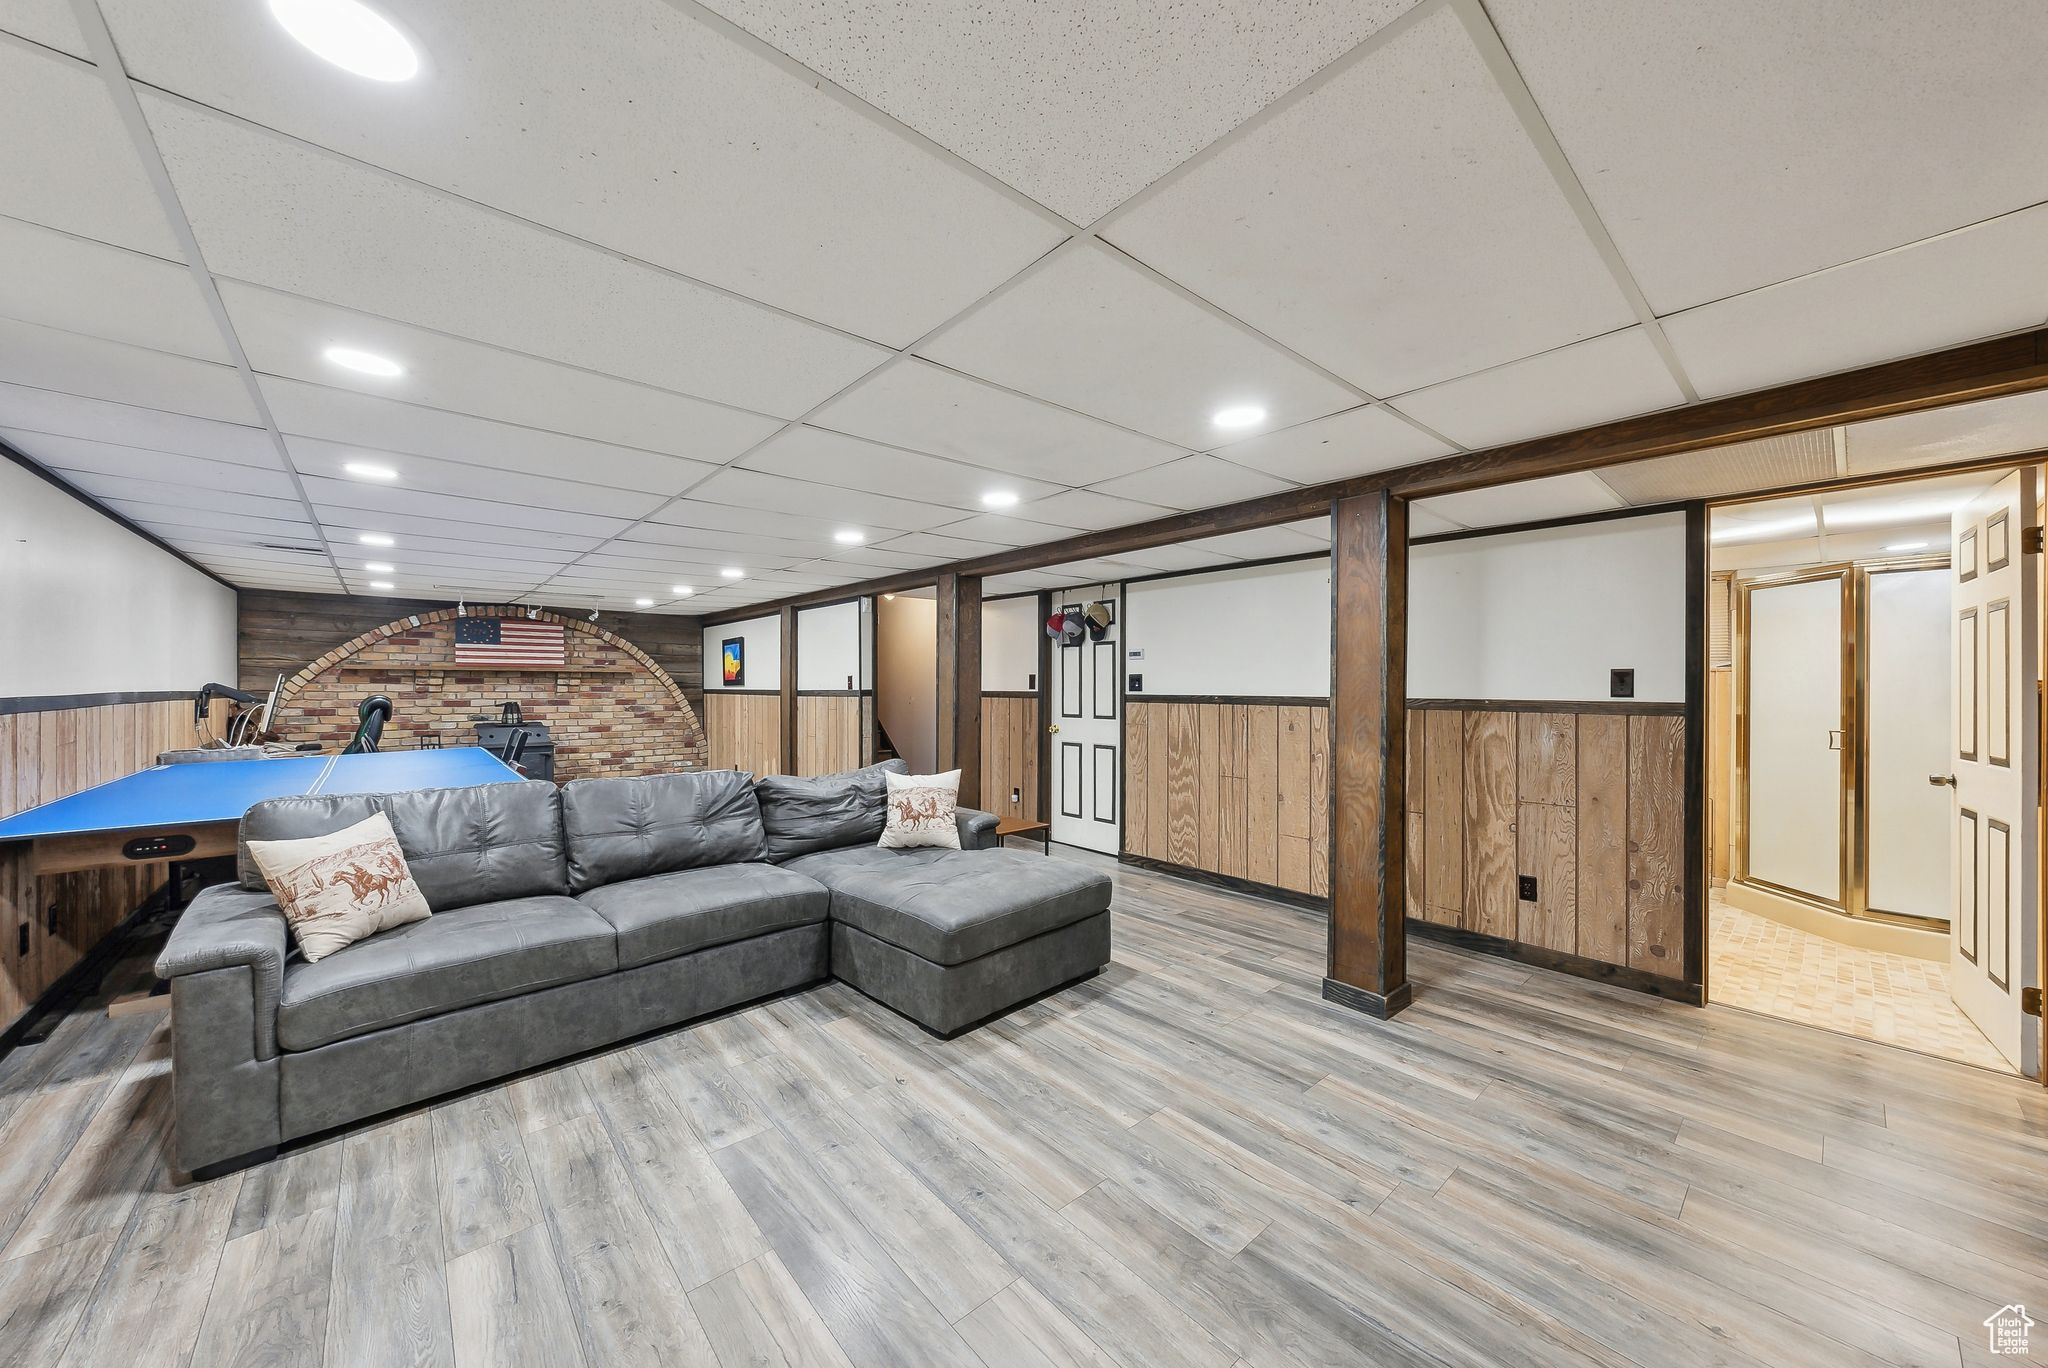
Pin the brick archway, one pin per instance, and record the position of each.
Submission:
(627, 715)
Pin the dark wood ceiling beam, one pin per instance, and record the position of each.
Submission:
(1980, 370)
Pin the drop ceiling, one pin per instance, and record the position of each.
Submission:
(682, 288)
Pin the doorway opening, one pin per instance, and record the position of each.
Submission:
(906, 674)
(1873, 761)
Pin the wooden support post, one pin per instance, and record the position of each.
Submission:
(786, 704)
(1368, 963)
(960, 682)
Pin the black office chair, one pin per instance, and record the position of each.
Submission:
(514, 748)
(371, 715)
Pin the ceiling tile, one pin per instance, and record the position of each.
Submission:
(281, 214)
(217, 524)
(89, 287)
(285, 335)
(833, 458)
(1960, 432)
(1731, 145)
(1261, 543)
(1193, 482)
(1090, 511)
(1970, 284)
(1476, 260)
(1187, 556)
(1423, 523)
(386, 425)
(1090, 331)
(1555, 496)
(69, 415)
(1002, 529)
(485, 514)
(169, 494)
(817, 207)
(753, 489)
(106, 458)
(683, 522)
(66, 159)
(915, 404)
(46, 358)
(49, 22)
(1078, 105)
(1590, 382)
(1358, 442)
(945, 547)
(344, 522)
(418, 474)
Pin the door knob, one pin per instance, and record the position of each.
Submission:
(1942, 780)
(1054, 728)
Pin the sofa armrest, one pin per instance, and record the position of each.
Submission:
(977, 829)
(229, 927)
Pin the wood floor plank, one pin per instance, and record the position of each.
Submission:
(301, 1180)
(627, 1301)
(1019, 1328)
(147, 1308)
(485, 1184)
(757, 1315)
(509, 1309)
(271, 1296)
(390, 1267)
(43, 1296)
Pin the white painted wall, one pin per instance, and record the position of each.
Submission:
(88, 607)
(907, 677)
(1010, 629)
(763, 636)
(829, 650)
(1546, 614)
(1259, 630)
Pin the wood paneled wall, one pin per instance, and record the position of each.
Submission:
(829, 732)
(45, 756)
(743, 730)
(1009, 755)
(1237, 789)
(1591, 804)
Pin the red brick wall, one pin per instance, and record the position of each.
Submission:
(612, 711)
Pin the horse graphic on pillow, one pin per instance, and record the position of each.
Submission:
(372, 872)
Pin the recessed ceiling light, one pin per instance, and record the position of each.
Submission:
(849, 536)
(643, 603)
(681, 590)
(367, 363)
(382, 584)
(1238, 416)
(999, 498)
(363, 470)
(351, 35)
(378, 567)
(732, 572)
(1907, 546)
(376, 539)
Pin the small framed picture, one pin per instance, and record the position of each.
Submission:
(732, 658)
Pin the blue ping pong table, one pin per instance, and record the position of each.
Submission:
(193, 811)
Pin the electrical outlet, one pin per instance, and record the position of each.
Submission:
(24, 938)
(1016, 795)
(1526, 887)
(1621, 683)
(1031, 682)
(1137, 684)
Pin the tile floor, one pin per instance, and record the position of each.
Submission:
(1765, 966)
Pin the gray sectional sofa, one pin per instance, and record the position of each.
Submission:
(568, 919)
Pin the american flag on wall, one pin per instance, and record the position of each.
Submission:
(489, 642)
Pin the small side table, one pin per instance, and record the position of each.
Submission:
(1018, 826)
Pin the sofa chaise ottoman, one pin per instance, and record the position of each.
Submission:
(565, 920)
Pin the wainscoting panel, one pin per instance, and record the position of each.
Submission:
(49, 755)
(1588, 803)
(1009, 756)
(829, 729)
(1229, 788)
(743, 730)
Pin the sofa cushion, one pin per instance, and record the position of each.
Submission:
(620, 829)
(449, 961)
(463, 845)
(949, 906)
(825, 813)
(664, 915)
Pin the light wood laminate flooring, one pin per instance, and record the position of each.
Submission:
(1190, 1161)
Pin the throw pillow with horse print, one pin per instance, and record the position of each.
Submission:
(921, 810)
(337, 889)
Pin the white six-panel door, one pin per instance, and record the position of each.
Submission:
(1086, 719)
(1993, 923)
